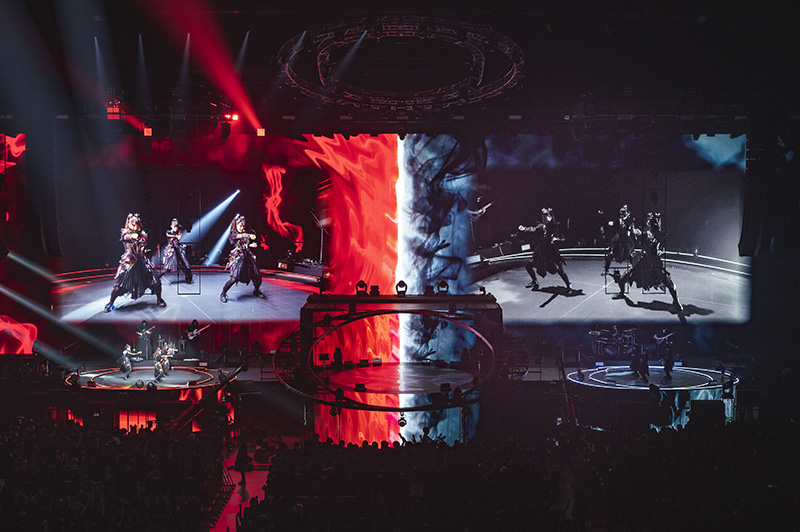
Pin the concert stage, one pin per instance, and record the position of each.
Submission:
(178, 378)
(708, 294)
(614, 396)
(621, 378)
(81, 297)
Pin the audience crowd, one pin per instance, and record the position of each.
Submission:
(59, 478)
(741, 476)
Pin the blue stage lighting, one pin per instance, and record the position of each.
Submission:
(206, 223)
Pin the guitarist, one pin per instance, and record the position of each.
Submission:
(143, 331)
(193, 339)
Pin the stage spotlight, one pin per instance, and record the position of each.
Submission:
(151, 386)
(401, 288)
(351, 308)
(139, 383)
(361, 288)
(442, 287)
(261, 132)
(402, 421)
(226, 130)
(335, 411)
(147, 131)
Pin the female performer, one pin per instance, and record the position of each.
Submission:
(175, 254)
(125, 366)
(241, 261)
(622, 243)
(649, 270)
(546, 257)
(135, 273)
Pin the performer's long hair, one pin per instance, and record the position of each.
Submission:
(239, 218)
(134, 217)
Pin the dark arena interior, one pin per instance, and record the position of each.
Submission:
(273, 265)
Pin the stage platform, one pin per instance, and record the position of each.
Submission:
(707, 295)
(401, 379)
(178, 378)
(621, 378)
(82, 298)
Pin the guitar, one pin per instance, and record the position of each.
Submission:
(142, 333)
(191, 335)
(660, 339)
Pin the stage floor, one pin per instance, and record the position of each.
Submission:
(707, 295)
(621, 377)
(401, 379)
(78, 303)
(178, 378)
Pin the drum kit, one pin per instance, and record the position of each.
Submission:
(613, 343)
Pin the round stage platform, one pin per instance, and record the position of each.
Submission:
(178, 378)
(621, 378)
(401, 379)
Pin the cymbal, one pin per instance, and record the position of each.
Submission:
(596, 333)
(626, 331)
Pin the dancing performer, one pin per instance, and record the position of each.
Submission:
(546, 257)
(145, 345)
(125, 366)
(175, 253)
(135, 273)
(242, 262)
(644, 365)
(649, 270)
(623, 242)
(158, 369)
(669, 362)
(634, 366)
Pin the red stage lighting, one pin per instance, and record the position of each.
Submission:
(234, 117)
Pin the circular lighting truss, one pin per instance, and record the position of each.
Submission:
(344, 62)
(346, 400)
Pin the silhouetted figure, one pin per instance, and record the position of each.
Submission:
(546, 256)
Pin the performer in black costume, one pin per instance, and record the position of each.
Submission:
(193, 340)
(241, 261)
(125, 366)
(648, 270)
(174, 258)
(546, 256)
(644, 365)
(135, 273)
(623, 241)
(143, 331)
(669, 362)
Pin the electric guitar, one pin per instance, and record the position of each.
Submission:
(191, 335)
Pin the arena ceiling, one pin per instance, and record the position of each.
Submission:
(383, 66)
